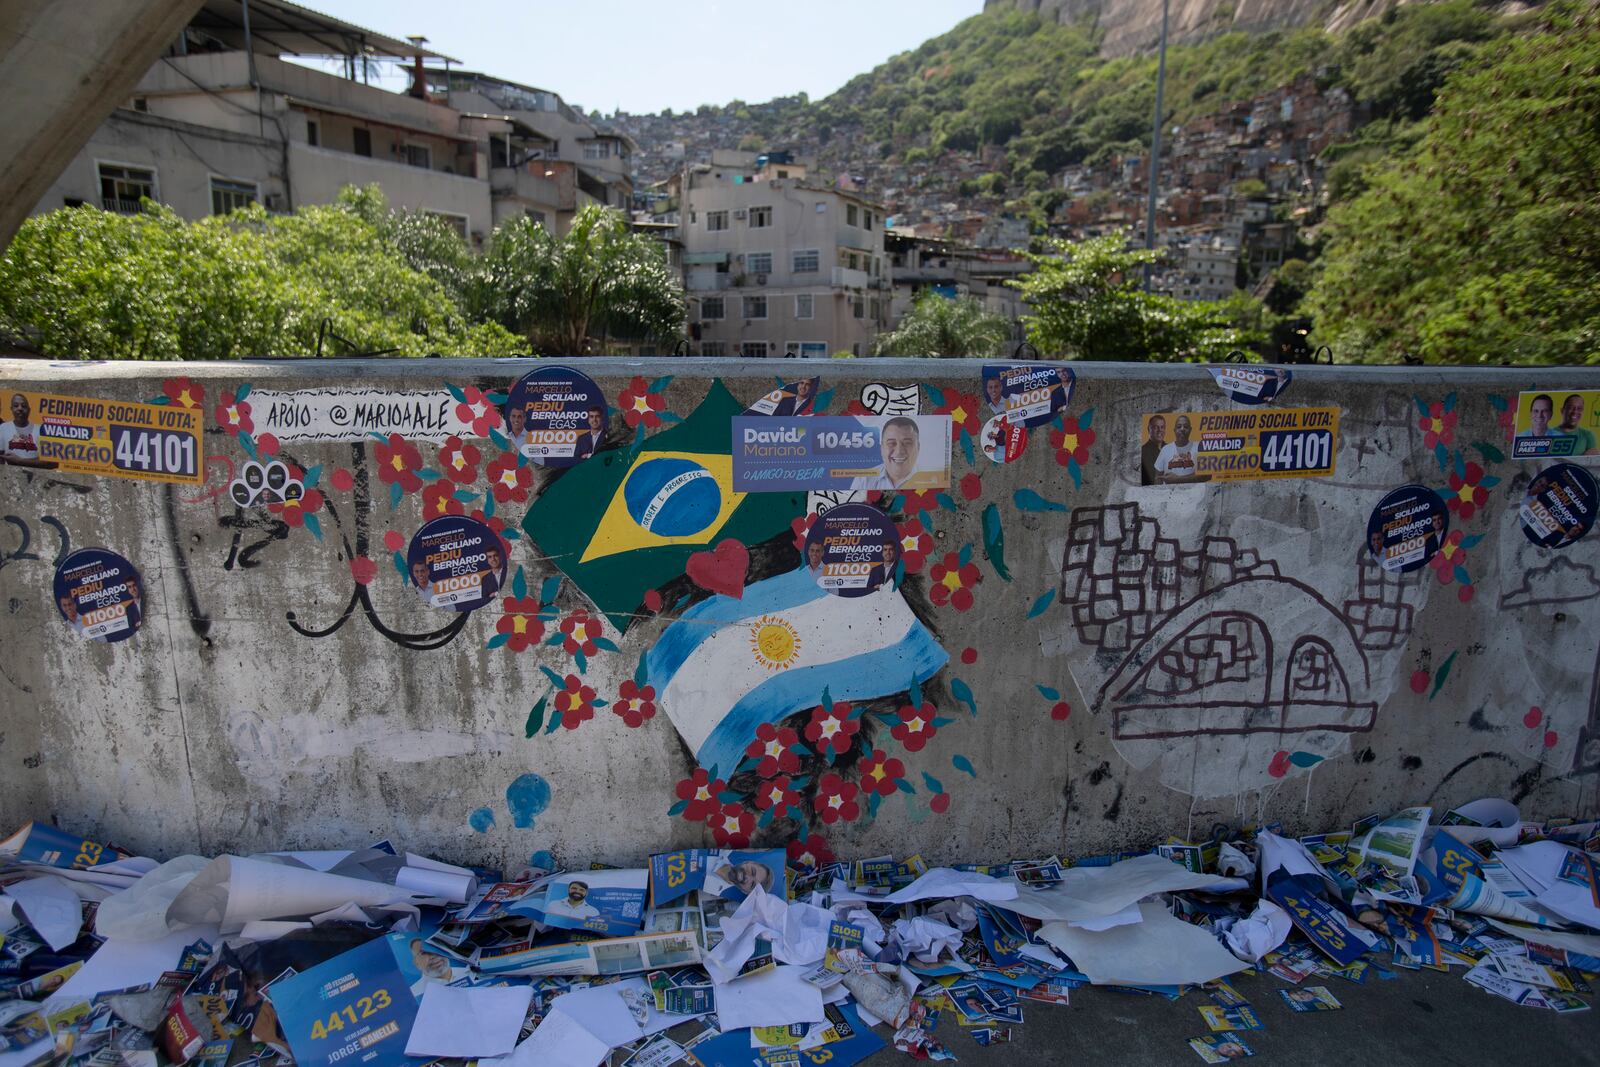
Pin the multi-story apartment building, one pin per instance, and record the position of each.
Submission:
(226, 118)
(776, 265)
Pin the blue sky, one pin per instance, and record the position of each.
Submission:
(644, 56)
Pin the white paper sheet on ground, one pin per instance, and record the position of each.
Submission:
(468, 1023)
(1574, 903)
(940, 883)
(1088, 893)
(1263, 930)
(1160, 950)
(139, 913)
(598, 1012)
(1587, 944)
(428, 863)
(776, 998)
(233, 890)
(9, 919)
(443, 885)
(873, 935)
(318, 859)
(1498, 821)
(924, 939)
(120, 963)
(51, 908)
(115, 876)
(798, 933)
(1283, 853)
(1039, 953)
(1127, 915)
(560, 1041)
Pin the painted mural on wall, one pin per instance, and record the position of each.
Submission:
(606, 538)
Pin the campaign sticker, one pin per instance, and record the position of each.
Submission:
(795, 398)
(1251, 385)
(1002, 440)
(1027, 394)
(1559, 506)
(456, 563)
(852, 549)
(556, 416)
(99, 594)
(1407, 528)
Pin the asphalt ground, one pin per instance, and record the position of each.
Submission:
(1422, 1017)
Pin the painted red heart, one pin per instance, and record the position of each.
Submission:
(722, 569)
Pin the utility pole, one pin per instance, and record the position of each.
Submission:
(1155, 147)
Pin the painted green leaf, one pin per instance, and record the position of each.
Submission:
(519, 584)
(963, 693)
(932, 783)
(1442, 673)
(678, 808)
(1028, 500)
(904, 786)
(994, 541)
(1304, 759)
(555, 722)
(244, 391)
(555, 679)
(315, 526)
(535, 718)
(1042, 604)
(497, 640)
(1048, 693)
(961, 763)
(1086, 420)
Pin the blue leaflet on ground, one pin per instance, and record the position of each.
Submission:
(39, 842)
(723, 873)
(357, 1004)
(1001, 937)
(1412, 930)
(732, 1049)
(1323, 924)
(600, 902)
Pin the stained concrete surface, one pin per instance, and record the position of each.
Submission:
(1416, 1018)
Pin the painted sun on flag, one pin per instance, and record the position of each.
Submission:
(728, 665)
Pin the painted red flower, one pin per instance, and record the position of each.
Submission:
(363, 570)
(234, 415)
(699, 793)
(879, 771)
(731, 826)
(1449, 556)
(294, 512)
(477, 411)
(915, 544)
(640, 405)
(439, 498)
(183, 393)
(915, 727)
(832, 729)
(916, 501)
(635, 703)
(809, 854)
(1072, 442)
(1469, 495)
(801, 527)
(777, 794)
(1438, 426)
(342, 479)
(578, 633)
(971, 485)
(1508, 422)
(953, 581)
(519, 621)
(495, 523)
(508, 480)
(965, 413)
(459, 460)
(772, 747)
(836, 799)
(940, 803)
(398, 462)
(575, 702)
(267, 445)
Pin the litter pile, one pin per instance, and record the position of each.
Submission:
(732, 957)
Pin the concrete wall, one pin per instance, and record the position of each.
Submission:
(273, 699)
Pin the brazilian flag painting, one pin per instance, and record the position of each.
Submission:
(626, 521)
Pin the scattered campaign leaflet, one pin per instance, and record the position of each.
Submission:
(607, 956)
(1183, 447)
(1310, 998)
(889, 453)
(602, 902)
(39, 842)
(1562, 424)
(355, 1005)
(728, 874)
(1220, 1048)
(1395, 843)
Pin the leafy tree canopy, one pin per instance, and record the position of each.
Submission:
(943, 326)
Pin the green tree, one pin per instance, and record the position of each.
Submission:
(1485, 246)
(81, 283)
(568, 294)
(940, 326)
(425, 241)
(1087, 302)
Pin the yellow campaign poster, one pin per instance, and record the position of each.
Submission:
(1183, 447)
(120, 438)
(1558, 424)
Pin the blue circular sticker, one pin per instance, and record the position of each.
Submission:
(1558, 507)
(100, 594)
(1407, 528)
(852, 550)
(456, 563)
(556, 416)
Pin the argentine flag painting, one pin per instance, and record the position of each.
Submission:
(727, 666)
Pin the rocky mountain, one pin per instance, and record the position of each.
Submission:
(1132, 26)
